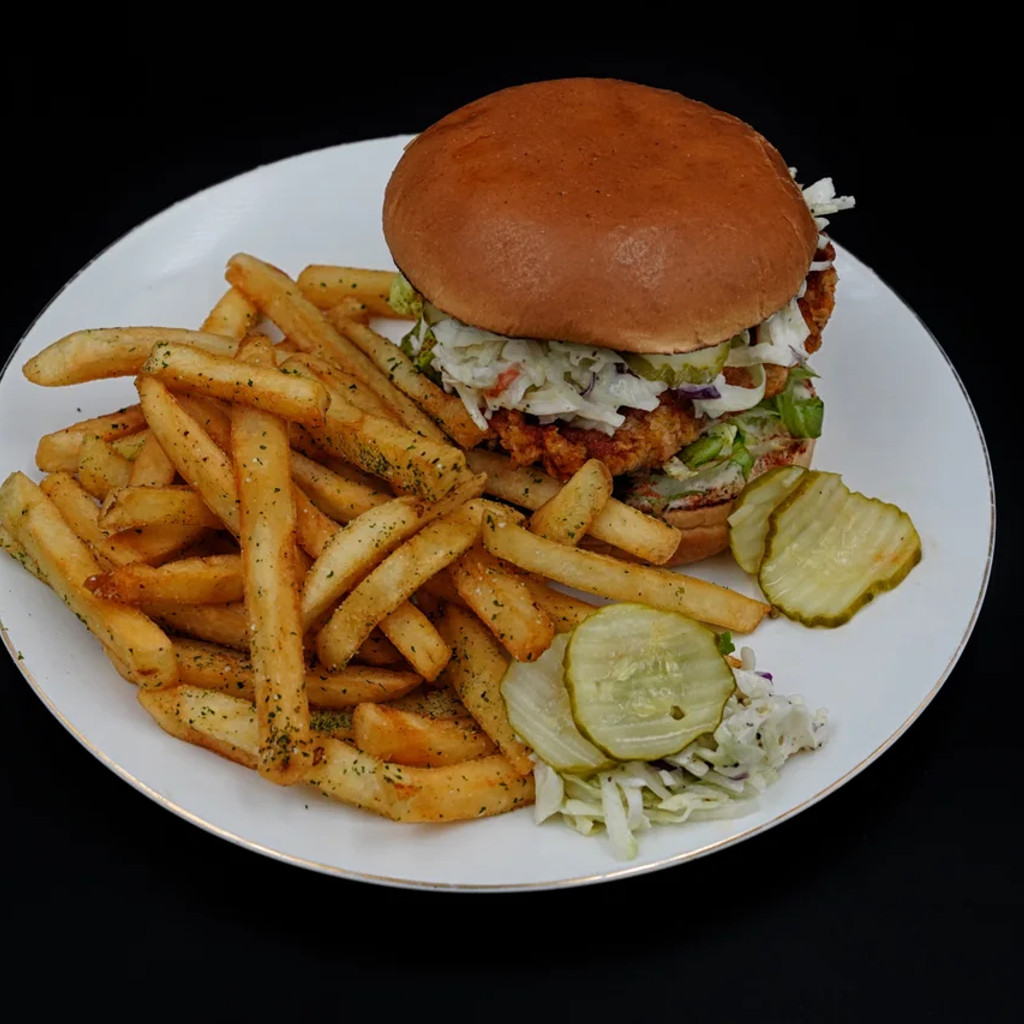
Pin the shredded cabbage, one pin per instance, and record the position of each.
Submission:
(716, 776)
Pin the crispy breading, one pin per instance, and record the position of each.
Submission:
(649, 439)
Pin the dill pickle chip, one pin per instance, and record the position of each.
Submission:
(538, 709)
(748, 521)
(645, 683)
(829, 551)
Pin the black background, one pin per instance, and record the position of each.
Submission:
(897, 897)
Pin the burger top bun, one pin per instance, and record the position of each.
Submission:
(601, 212)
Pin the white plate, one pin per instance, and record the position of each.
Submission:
(874, 675)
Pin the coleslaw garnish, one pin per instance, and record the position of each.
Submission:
(717, 776)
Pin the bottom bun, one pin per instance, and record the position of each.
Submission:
(705, 527)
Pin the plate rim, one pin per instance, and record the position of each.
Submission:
(612, 874)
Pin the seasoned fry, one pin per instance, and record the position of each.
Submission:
(351, 388)
(58, 452)
(475, 672)
(280, 298)
(366, 541)
(312, 528)
(152, 545)
(260, 455)
(263, 387)
(151, 467)
(130, 508)
(377, 649)
(447, 410)
(564, 611)
(503, 604)
(623, 581)
(130, 446)
(352, 309)
(15, 549)
(325, 286)
(335, 495)
(224, 624)
(219, 722)
(65, 561)
(201, 463)
(395, 580)
(226, 725)
(650, 539)
(112, 352)
(571, 513)
(417, 640)
(100, 468)
(213, 580)
(233, 316)
(478, 788)
(406, 460)
(212, 415)
(214, 667)
(405, 737)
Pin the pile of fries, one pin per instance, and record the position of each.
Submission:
(303, 553)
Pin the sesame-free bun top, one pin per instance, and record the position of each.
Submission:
(602, 212)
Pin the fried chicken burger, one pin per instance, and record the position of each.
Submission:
(607, 270)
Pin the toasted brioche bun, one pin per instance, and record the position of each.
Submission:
(705, 527)
(600, 212)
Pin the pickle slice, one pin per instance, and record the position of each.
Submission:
(538, 709)
(748, 522)
(645, 683)
(830, 550)
(700, 367)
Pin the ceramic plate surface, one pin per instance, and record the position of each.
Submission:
(874, 675)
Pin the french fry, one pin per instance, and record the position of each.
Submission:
(64, 560)
(58, 452)
(233, 316)
(212, 415)
(447, 410)
(214, 667)
(152, 545)
(15, 549)
(226, 725)
(260, 455)
(417, 640)
(335, 495)
(280, 298)
(219, 722)
(408, 461)
(407, 738)
(395, 580)
(351, 388)
(564, 611)
(366, 541)
(100, 468)
(151, 467)
(570, 514)
(623, 581)
(288, 395)
(130, 508)
(333, 722)
(378, 650)
(478, 788)
(130, 446)
(435, 702)
(223, 624)
(325, 286)
(352, 309)
(214, 580)
(650, 539)
(503, 603)
(474, 673)
(201, 462)
(112, 352)
(313, 529)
